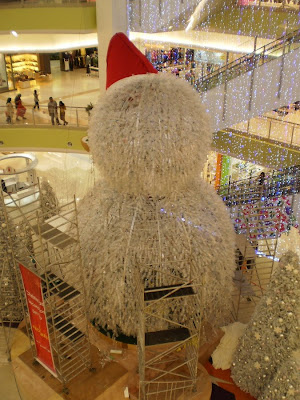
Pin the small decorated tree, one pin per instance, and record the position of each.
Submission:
(10, 246)
(286, 383)
(49, 200)
(273, 332)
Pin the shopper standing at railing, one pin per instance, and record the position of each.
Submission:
(9, 111)
(62, 112)
(36, 100)
(261, 183)
(52, 109)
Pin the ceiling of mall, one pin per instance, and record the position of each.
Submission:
(217, 24)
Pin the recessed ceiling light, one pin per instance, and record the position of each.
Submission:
(14, 33)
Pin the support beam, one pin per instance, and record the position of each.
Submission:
(111, 18)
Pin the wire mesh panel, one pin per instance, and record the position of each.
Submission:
(169, 319)
(51, 250)
(259, 219)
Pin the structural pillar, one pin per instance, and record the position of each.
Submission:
(111, 18)
(226, 161)
(218, 170)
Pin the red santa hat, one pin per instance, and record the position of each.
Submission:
(124, 60)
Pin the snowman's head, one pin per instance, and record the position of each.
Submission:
(149, 135)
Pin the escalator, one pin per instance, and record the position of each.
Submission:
(253, 84)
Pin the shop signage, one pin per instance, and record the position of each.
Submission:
(35, 302)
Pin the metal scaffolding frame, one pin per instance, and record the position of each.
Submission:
(256, 244)
(168, 341)
(51, 250)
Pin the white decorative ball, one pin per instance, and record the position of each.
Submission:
(149, 135)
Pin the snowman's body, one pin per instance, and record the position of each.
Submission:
(151, 212)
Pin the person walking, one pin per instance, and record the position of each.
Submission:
(36, 100)
(88, 65)
(62, 112)
(21, 109)
(17, 99)
(52, 109)
(9, 111)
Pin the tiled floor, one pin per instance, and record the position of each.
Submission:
(8, 386)
(74, 88)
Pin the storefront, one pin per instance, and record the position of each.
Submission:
(22, 70)
(209, 61)
(3, 74)
(70, 60)
(170, 57)
(221, 169)
(198, 62)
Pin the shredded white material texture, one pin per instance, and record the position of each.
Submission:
(223, 355)
(149, 137)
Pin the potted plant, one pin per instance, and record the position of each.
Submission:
(88, 108)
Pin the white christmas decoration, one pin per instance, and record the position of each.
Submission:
(149, 137)
(289, 241)
(222, 356)
(49, 202)
(269, 301)
(272, 334)
(12, 246)
(286, 382)
(257, 335)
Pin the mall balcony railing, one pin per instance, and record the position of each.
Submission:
(43, 3)
(249, 62)
(75, 116)
(271, 128)
(252, 190)
(281, 4)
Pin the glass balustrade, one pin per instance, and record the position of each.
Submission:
(283, 4)
(75, 116)
(279, 183)
(271, 128)
(262, 55)
(34, 3)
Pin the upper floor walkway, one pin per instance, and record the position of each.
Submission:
(252, 85)
(259, 82)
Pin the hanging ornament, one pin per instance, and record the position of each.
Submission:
(268, 301)
(289, 267)
(257, 365)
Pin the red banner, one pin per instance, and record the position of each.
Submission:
(35, 302)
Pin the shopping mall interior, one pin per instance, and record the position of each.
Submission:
(149, 243)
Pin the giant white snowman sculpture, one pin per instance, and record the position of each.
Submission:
(151, 211)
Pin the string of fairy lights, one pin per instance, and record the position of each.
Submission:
(157, 24)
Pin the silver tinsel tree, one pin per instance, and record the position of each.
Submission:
(286, 383)
(49, 200)
(15, 241)
(273, 332)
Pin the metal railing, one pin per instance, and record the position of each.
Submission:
(249, 62)
(75, 116)
(284, 4)
(271, 128)
(43, 3)
(246, 191)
